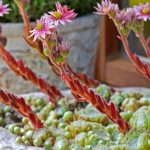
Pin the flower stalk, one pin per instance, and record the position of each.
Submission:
(57, 53)
(91, 82)
(141, 67)
(125, 21)
(46, 41)
(20, 69)
(20, 105)
(83, 93)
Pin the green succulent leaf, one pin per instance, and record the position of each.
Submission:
(141, 119)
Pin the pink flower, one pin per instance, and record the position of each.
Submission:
(64, 47)
(124, 21)
(107, 8)
(42, 28)
(62, 14)
(125, 17)
(3, 8)
(142, 12)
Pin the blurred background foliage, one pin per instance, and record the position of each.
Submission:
(36, 8)
(136, 2)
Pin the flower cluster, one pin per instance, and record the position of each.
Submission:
(45, 34)
(42, 28)
(124, 19)
(62, 14)
(142, 12)
(49, 22)
(3, 8)
(107, 8)
(46, 31)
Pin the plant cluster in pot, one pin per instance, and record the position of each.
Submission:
(77, 34)
(97, 116)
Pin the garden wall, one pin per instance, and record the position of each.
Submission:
(83, 35)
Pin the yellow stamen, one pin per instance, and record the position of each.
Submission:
(57, 14)
(146, 11)
(40, 26)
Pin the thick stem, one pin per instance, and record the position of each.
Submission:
(20, 69)
(37, 45)
(20, 105)
(83, 93)
(141, 67)
(86, 79)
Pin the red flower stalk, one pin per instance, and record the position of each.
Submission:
(91, 82)
(20, 69)
(83, 93)
(141, 67)
(20, 105)
(38, 46)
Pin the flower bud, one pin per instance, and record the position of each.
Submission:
(57, 57)
(64, 49)
(47, 52)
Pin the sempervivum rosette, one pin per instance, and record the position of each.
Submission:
(130, 104)
(141, 119)
(138, 140)
(92, 114)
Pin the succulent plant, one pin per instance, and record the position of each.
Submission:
(101, 147)
(48, 144)
(44, 113)
(55, 125)
(126, 115)
(130, 104)
(117, 98)
(144, 101)
(118, 147)
(140, 119)
(91, 114)
(75, 146)
(61, 144)
(135, 95)
(104, 91)
(138, 140)
(81, 138)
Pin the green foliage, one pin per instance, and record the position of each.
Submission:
(137, 2)
(36, 8)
